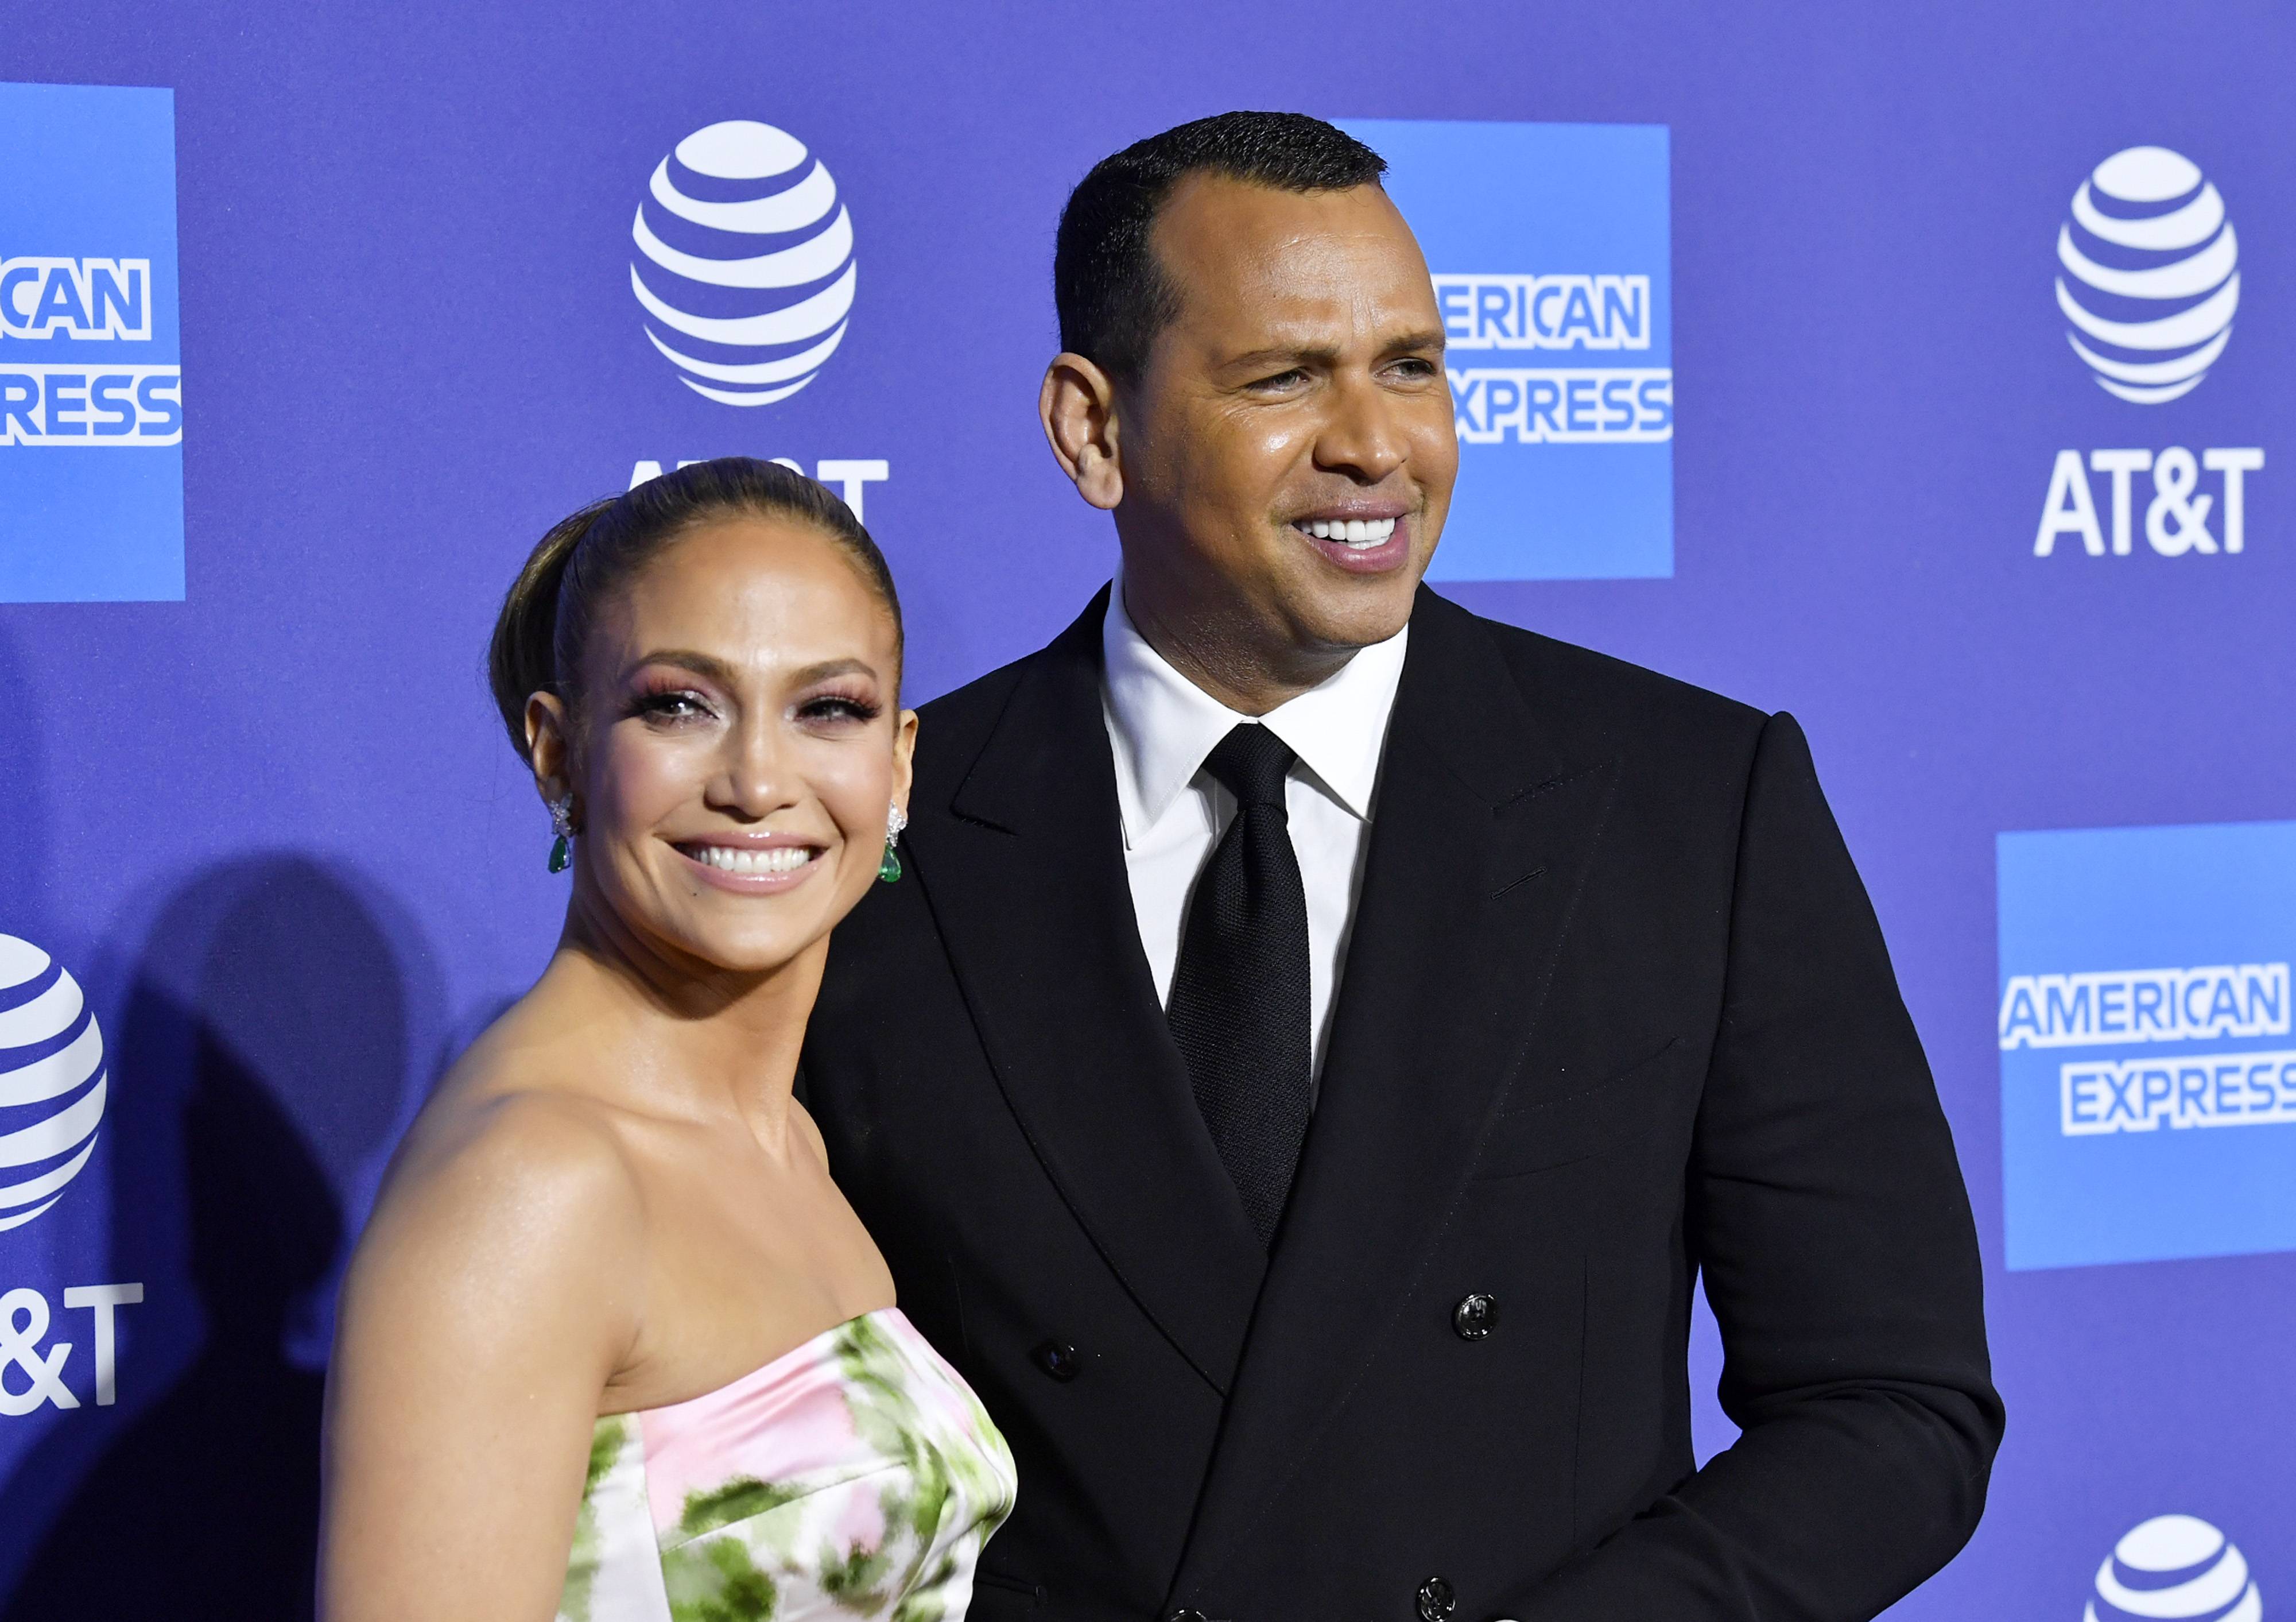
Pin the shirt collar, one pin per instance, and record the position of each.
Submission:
(1163, 725)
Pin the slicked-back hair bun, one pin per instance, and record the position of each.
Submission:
(575, 569)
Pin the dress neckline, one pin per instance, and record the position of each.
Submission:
(764, 1372)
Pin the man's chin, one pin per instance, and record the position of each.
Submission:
(1355, 617)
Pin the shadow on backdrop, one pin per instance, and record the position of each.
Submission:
(264, 1037)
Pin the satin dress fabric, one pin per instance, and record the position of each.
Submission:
(854, 1476)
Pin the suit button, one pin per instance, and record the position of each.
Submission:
(1060, 1360)
(1435, 1600)
(1476, 1317)
(1188, 1616)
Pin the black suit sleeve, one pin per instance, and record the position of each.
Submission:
(1827, 1210)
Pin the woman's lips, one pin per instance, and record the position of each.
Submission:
(751, 869)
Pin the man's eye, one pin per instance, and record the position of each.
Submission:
(1283, 380)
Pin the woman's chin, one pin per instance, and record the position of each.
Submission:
(747, 952)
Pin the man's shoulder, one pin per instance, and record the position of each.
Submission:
(969, 713)
(1578, 687)
(1035, 705)
(974, 707)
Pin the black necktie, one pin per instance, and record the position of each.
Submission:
(1239, 1004)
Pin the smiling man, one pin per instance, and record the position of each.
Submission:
(1328, 1033)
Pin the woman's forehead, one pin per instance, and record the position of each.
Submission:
(758, 590)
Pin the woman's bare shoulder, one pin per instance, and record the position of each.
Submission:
(512, 1184)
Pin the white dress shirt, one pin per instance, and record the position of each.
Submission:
(1162, 726)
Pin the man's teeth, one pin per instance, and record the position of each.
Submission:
(773, 858)
(1352, 531)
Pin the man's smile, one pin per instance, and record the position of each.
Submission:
(1362, 536)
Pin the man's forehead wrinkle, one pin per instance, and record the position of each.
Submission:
(1276, 299)
(1322, 324)
(1336, 258)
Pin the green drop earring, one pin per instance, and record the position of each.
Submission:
(561, 820)
(889, 869)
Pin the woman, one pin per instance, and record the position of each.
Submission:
(613, 1343)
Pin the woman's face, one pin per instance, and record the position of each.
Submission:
(738, 745)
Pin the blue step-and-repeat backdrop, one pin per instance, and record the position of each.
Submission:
(1925, 370)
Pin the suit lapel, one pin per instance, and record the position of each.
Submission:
(1483, 832)
(1023, 868)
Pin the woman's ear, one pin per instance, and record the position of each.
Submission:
(1078, 408)
(905, 753)
(549, 746)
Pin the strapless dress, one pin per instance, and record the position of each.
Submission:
(856, 1475)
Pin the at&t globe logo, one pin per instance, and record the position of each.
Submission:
(2175, 1566)
(51, 1080)
(745, 267)
(2150, 274)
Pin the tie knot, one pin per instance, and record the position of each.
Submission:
(1251, 763)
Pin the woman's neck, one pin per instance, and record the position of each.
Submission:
(688, 1033)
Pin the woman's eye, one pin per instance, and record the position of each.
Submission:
(673, 707)
(833, 708)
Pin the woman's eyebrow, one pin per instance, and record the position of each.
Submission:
(711, 668)
(828, 668)
(706, 666)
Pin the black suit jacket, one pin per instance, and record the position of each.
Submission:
(1615, 1010)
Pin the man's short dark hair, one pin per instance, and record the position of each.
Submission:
(1111, 295)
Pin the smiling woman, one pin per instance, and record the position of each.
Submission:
(614, 1334)
(606, 684)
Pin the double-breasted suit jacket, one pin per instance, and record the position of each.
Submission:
(1615, 1011)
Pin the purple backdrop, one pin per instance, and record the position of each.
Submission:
(273, 830)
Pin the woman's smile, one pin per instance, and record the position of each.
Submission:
(769, 865)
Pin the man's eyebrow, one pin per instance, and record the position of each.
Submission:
(1281, 354)
(1324, 354)
(1427, 338)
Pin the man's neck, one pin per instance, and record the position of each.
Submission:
(1226, 661)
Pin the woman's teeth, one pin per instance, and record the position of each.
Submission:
(773, 858)
(1350, 531)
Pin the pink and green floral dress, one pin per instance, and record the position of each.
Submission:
(856, 1475)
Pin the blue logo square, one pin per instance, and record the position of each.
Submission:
(1549, 246)
(2148, 1067)
(91, 384)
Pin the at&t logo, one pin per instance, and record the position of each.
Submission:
(745, 263)
(52, 1082)
(2154, 267)
(2175, 1566)
(2149, 276)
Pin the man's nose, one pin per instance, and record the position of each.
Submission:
(1361, 436)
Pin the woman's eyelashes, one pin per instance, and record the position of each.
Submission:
(838, 709)
(687, 706)
(672, 706)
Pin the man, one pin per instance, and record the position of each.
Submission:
(1324, 1033)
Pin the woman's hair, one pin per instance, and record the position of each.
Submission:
(576, 570)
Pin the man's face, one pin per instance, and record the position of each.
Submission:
(1288, 451)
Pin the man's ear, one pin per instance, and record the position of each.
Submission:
(1078, 407)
